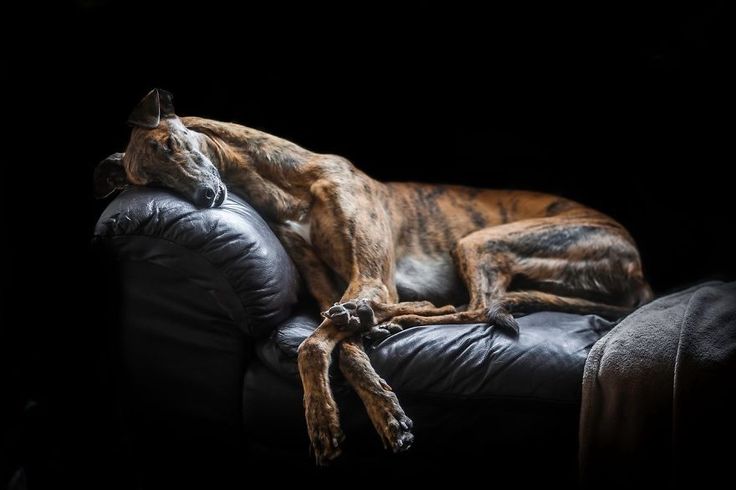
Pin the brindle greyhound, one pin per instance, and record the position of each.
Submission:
(381, 250)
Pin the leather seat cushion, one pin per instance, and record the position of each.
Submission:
(545, 362)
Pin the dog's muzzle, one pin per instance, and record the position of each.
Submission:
(209, 197)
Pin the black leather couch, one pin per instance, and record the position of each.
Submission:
(208, 313)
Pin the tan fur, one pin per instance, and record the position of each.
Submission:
(360, 229)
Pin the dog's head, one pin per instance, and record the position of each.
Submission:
(162, 151)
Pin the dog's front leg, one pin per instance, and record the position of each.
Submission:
(355, 239)
(387, 416)
(320, 409)
(381, 403)
(314, 359)
(312, 269)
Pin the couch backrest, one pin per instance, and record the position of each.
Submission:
(229, 252)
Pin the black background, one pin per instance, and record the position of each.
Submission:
(622, 109)
(625, 110)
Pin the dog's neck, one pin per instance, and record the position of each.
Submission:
(272, 173)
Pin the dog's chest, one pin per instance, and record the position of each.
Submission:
(302, 228)
(429, 277)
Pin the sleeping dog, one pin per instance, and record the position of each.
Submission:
(378, 256)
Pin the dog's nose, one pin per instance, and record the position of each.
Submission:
(221, 195)
(205, 196)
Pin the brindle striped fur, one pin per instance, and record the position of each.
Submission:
(352, 236)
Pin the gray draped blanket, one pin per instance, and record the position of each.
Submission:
(659, 394)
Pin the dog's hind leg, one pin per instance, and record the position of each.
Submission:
(518, 302)
(577, 264)
(371, 317)
(530, 301)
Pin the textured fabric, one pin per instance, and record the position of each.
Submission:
(658, 393)
(238, 245)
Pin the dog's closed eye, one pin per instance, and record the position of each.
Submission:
(166, 147)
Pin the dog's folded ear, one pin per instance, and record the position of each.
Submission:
(166, 103)
(109, 176)
(155, 105)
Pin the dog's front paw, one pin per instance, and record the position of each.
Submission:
(390, 421)
(354, 315)
(381, 332)
(323, 427)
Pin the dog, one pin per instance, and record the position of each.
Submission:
(378, 257)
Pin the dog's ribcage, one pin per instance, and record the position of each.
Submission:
(429, 277)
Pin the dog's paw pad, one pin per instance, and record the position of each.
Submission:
(365, 314)
(403, 442)
(339, 315)
(396, 432)
(381, 332)
(323, 427)
(392, 327)
(354, 315)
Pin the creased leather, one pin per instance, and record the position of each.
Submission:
(233, 238)
(468, 361)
